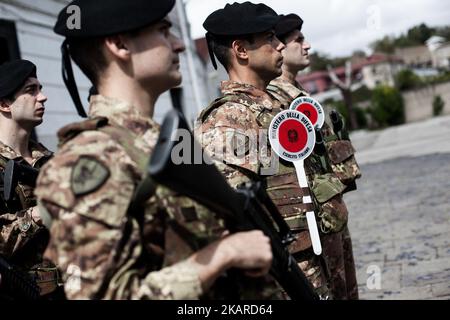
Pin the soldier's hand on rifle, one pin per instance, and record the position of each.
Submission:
(35, 215)
(250, 251)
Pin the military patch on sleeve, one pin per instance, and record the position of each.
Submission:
(88, 175)
(240, 143)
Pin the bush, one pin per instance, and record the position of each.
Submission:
(438, 106)
(441, 78)
(342, 109)
(362, 94)
(361, 117)
(387, 107)
(406, 79)
(359, 112)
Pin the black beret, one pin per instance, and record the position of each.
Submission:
(101, 18)
(241, 19)
(287, 24)
(107, 17)
(13, 75)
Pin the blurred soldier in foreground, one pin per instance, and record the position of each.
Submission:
(171, 249)
(328, 173)
(23, 238)
(242, 38)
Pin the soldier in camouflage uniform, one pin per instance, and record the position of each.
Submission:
(172, 248)
(23, 238)
(329, 174)
(231, 127)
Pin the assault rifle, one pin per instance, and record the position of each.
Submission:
(247, 208)
(17, 282)
(321, 150)
(339, 127)
(16, 172)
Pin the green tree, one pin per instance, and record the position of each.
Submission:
(406, 79)
(362, 94)
(419, 34)
(415, 36)
(438, 106)
(361, 117)
(387, 107)
(404, 41)
(359, 53)
(385, 45)
(319, 61)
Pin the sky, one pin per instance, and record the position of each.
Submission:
(339, 27)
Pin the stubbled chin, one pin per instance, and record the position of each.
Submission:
(278, 72)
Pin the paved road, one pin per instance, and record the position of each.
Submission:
(410, 140)
(400, 214)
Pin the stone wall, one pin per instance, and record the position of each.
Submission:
(419, 103)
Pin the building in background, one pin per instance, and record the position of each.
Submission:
(440, 52)
(380, 69)
(371, 71)
(26, 31)
(417, 56)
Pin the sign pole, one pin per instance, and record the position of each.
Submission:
(310, 216)
(293, 138)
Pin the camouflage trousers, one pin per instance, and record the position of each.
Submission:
(338, 254)
(314, 268)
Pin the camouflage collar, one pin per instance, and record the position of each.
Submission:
(38, 151)
(255, 94)
(293, 90)
(8, 152)
(121, 113)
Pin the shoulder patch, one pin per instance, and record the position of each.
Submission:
(240, 143)
(88, 175)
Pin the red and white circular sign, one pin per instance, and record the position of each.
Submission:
(292, 135)
(311, 108)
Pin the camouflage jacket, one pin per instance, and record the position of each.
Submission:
(104, 252)
(22, 240)
(233, 131)
(327, 187)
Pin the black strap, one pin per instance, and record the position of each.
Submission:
(2, 179)
(69, 79)
(209, 39)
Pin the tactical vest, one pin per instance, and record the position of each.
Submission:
(282, 187)
(28, 257)
(224, 287)
(343, 162)
(23, 196)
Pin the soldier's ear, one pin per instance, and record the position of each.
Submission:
(117, 47)
(239, 48)
(4, 106)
